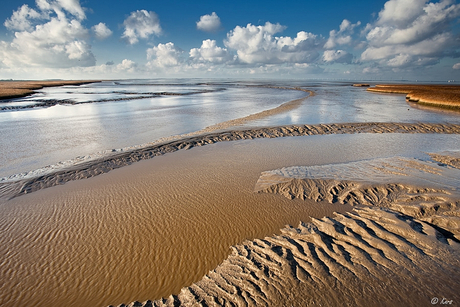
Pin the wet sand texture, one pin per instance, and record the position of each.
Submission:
(424, 190)
(445, 96)
(16, 89)
(14, 188)
(451, 158)
(371, 255)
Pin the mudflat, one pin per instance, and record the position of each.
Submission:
(16, 89)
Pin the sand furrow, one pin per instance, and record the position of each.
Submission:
(17, 185)
(373, 254)
(318, 264)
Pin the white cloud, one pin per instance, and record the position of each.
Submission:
(126, 65)
(400, 12)
(337, 56)
(59, 6)
(141, 24)
(209, 23)
(371, 70)
(209, 52)
(456, 66)
(164, 55)
(20, 20)
(101, 31)
(343, 36)
(256, 44)
(48, 37)
(411, 32)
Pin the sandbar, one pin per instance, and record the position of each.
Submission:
(442, 96)
(16, 89)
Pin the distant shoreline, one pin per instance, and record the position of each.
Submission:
(17, 89)
(441, 96)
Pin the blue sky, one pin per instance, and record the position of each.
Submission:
(335, 40)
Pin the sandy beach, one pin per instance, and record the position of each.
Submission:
(339, 214)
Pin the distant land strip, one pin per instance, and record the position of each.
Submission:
(17, 89)
(441, 96)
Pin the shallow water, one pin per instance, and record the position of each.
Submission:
(37, 137)
(147, 230)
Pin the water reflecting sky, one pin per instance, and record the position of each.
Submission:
(109, 115)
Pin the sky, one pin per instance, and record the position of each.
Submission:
(328, 40)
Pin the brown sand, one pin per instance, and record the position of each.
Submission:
(145, 230)
(372, 256)
(15, 89)
(445, 96)
(451, 158)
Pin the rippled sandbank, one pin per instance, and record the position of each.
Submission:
(26, 183)
(400, 250)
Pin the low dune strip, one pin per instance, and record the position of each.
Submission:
(445, 96)
(16, 89)
(14, 186)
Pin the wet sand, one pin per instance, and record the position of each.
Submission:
(441, 96)
(16, 89)
(148, 230)
(142, 231)
(12, 188)
(402, 250)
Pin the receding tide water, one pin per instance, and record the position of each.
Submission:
(146, 230)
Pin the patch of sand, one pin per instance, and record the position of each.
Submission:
(445, 96)
(399, 251)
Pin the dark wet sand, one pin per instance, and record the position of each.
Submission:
(145, 231)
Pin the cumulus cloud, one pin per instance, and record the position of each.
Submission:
(101, 31)
(164, 55)
(21, 19)
(126, 65)
(343, 36)
(456, 66)
(141, 24)
(50, 36)
(210, 52)
(337, 56)
(209, 23)
(257, 44)
(59, 6)
(411, 32)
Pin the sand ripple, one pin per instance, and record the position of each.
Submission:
(369, 255)
(12, 187)
(402, 250)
